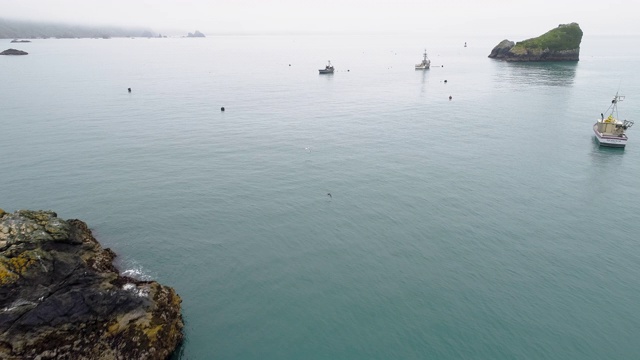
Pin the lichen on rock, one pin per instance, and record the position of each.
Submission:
(61, 296)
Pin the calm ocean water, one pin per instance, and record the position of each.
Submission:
(490, 226)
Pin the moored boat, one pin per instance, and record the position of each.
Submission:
(425, 64)
(611, 131)
(327, 70)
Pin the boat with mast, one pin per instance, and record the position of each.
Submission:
(424, 65)
(610, 130)
(327, 69)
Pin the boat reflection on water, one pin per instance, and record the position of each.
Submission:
(557, 73)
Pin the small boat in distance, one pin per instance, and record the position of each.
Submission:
(327, 70)
(610, 131)
(425, 62)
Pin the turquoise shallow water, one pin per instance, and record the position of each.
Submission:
(486, 227)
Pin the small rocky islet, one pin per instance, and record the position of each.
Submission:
(559, 44)
(14, 52)
(61, 297)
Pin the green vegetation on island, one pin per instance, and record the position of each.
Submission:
(564, 37)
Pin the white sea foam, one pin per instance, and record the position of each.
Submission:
(142, 292)
(137, 273)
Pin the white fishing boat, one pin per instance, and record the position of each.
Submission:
(327, 69)
(610, 130)
(425, 62)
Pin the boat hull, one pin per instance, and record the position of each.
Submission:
(609, 141)
(326, 71)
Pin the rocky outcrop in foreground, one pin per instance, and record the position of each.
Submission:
(559, 44)
(14, 52)
(62, 298)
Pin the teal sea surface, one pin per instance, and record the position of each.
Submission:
(488, 226)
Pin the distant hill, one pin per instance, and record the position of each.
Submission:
(13, 29)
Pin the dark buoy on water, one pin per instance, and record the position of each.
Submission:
(129, 89)
(450, 97)
(222, 108)
(445, 81)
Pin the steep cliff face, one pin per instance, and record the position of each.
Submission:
(559, 44)
(62, 298)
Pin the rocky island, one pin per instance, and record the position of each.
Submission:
(559, 44)
(196, 34)
(62, 298)
(14, 52)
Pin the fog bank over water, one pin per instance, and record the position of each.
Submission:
(457, 17)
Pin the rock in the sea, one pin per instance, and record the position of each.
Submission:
(559, 44)
(14, 52)
(62, 298)
(196, 34)
(502, 49)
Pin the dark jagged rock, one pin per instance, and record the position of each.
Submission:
(14, 52)
(502, 49)
(62, 298)
(559, 44)
(196, 34)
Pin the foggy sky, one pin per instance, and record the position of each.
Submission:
(451, 17)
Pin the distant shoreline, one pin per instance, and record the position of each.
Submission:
(18, 29)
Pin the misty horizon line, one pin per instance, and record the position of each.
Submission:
(114, 30)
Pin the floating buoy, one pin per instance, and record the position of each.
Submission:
(129, 89)
(450, 97)
(445, 81)
(289, 64)
(222, 108)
